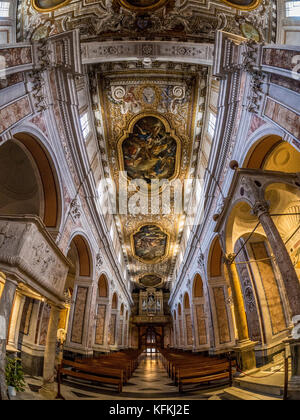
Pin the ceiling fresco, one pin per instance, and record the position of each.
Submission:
(43, 6)
(166, 19)
(150, 280)
(243, 4)
(149, 152)
(150, 244)
(148, 120)
(149, 128)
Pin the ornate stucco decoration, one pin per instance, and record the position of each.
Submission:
(196, 20)
(99, 261)
(75, 209)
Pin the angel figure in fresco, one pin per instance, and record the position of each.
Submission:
(130, 103)
(150, 242)
(149, 152)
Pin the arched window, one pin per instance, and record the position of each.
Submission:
(103, 286)
(198, 287)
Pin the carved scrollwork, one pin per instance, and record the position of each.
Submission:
(99, 261)
(201, 260)
(75, 209)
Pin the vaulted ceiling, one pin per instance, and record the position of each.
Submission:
(149, 130)
(149, 113)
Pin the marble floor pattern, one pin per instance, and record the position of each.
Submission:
(149, 382)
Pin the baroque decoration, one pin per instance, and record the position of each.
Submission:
(150, 244)
(150, 280)
(148, 130)
(157, 18)
(149, 152)
(44, 6)
(243, 4)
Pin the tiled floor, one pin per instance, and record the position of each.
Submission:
(150, 381)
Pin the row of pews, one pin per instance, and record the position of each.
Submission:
(187, 370)
(113, 370)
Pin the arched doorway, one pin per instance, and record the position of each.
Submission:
(113, 321)
(102, 302)
(222, 310)
(201, 326)
(188, 321)
(79, 283)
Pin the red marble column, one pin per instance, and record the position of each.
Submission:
(283, 260)
(6, 304)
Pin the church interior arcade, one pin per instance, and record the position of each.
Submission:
(150, 199)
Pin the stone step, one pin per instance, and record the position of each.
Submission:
(270, 386)
(234, 393)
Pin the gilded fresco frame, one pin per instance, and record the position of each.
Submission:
(252, 6)
(50, 9)
(127, 5)
(155, 260)
(150, 274)
(169, 131)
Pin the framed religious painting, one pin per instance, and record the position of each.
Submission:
(45, 6)
(243, 4)
(143, 5)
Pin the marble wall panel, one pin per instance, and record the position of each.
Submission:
(44, 324)
(284, 117)
(222, 315)
(14, 112)
(79, 315)
(189, 329)
(202, 335)
(112, 330)
(100, 324)
(270, 287)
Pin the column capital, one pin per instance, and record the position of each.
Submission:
(55, 306)
(260, 207)
(11, 279)
(229, 258)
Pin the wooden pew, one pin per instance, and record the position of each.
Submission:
(194, 369)
(107, 376)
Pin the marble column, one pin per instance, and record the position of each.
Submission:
(6, 304)
(48, 388)
(283, 259)
(16, 320)
(294, 383)
(245, 347)
(291, 283)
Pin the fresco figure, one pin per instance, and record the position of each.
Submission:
(149, 152)
(150, 243)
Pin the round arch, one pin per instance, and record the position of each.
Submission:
(83, 249)
(52, 211)
(103, 287)
(198, 291)
(259, 151)
(215, 268)
(114, 302)
(186, 301)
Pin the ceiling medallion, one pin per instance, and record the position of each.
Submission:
(143, 5)
(150, 244)
(150, 280)
(45, 6)
(149, 149)
(250, 32)
(243, 4)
